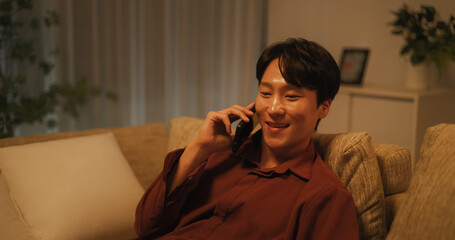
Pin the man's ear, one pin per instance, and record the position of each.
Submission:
(324, 108)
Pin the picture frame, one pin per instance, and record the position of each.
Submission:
(352, 65)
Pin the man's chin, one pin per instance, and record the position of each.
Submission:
(275, 144)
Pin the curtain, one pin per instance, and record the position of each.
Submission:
(211, 54)
(162, 58)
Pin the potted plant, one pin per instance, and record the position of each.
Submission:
(428, 40)
(17, 106)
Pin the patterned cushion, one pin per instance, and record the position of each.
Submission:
(429, 209)
(352, 159)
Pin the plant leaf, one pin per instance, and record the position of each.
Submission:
(429, 12)
(405, 49)
(46, 67)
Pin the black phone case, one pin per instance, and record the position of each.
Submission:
(242, 132)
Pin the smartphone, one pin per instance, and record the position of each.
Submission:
(242, 132)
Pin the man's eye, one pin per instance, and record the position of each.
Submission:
(292, 97)
(265, 94)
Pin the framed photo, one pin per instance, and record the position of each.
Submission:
(352, 65)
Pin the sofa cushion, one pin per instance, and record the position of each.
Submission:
(428, 207)
(11, 224)
(182, 131)
(77, 188)
(352, 159)
(395, 165)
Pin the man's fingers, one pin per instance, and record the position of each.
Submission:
(251, 105)
(235, 112)
(229, 115)
(227, 122)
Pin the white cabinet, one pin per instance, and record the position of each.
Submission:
(390, 116)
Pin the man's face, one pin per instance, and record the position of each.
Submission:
(287, 113)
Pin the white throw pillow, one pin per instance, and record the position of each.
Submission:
(11, 224)
(77, 188)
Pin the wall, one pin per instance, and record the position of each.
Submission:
(353, 23)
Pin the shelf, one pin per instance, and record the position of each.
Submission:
(395, 93)
(390, 115)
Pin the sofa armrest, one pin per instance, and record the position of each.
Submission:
(395, 166)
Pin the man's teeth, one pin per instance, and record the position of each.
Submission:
(278, 125)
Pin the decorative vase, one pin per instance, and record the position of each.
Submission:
(418, 76)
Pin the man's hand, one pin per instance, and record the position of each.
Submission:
(215, 133)
(214, 136)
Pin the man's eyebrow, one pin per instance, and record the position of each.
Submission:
(265, 84)
(288, 86)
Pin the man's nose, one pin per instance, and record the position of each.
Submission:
(277, 107)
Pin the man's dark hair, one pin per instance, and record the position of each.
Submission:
(303, 64)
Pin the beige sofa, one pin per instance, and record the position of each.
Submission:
(97, 191)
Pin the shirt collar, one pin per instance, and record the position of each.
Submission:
(300, 166)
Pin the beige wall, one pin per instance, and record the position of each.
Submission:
(352, 23)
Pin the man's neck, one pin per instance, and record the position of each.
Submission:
(273, 158)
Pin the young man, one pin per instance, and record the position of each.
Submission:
(276, 186)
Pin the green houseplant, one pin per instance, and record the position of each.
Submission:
(17, 105)
(427, 38)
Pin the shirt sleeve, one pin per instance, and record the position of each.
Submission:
(331, 215)
(158, 211)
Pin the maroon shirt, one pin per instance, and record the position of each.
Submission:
(230, 197)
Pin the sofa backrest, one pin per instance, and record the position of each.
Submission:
(144, 146)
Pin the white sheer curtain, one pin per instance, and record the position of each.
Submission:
(210, 55)
(163, 58)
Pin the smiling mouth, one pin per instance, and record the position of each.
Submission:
(278, 125)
